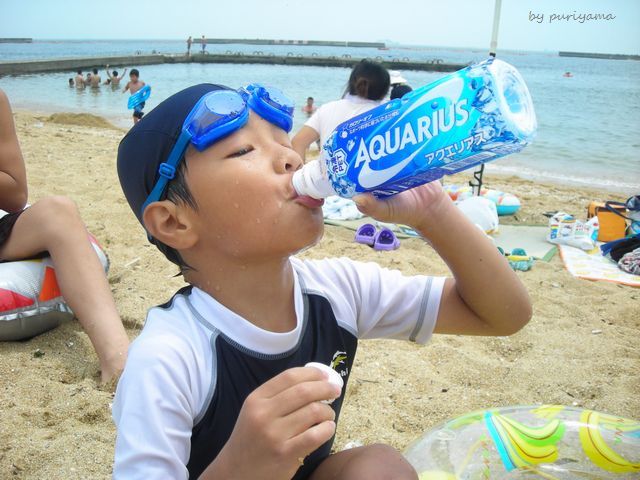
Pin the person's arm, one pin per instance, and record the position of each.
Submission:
(107, 70)
(485, 296)
(13, 175)
(301, 141)
(123, 74)
(126, 87)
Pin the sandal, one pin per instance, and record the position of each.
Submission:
(385, 239)
(366, 234)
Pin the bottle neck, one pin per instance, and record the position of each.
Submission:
(312, 180)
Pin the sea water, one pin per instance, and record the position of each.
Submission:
(480, 113)
(587, 124)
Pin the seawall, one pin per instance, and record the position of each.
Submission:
(16, 40)
(73, 64)
(313, 43)
(608, 56)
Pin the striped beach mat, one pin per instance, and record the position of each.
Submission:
(593, 266)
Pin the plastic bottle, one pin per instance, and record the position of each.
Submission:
(477, 114)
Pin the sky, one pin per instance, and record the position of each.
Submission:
(535, 25)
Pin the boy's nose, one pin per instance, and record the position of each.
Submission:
(290, 161)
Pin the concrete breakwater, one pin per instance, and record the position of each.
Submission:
(346, 61)
(313, 43)
(16, 40)
(607, 56)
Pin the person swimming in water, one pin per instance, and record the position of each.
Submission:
(113, 78)
(309, 108)
(79, 79)
(95, 79)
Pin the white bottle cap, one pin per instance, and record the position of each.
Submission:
(334, 377)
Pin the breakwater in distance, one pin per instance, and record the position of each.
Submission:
(16, 40)
(311, 43)
(346, 61)
(607, 56)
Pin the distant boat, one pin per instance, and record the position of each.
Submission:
(567, 74)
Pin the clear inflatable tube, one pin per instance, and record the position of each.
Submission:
(548, 441)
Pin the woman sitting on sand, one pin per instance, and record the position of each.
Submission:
(368, 86)
(53, 225)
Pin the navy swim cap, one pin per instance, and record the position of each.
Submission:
(150, 141)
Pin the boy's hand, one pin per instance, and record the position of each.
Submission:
(415, 207)
(280, 423)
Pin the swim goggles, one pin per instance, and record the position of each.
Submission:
(218, 114)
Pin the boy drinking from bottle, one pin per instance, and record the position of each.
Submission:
(215, 385)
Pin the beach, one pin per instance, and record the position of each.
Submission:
(580, 348)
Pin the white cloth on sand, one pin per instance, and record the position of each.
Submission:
(338, 208)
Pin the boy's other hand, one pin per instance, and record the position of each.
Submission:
(280, 423)
(415, 207)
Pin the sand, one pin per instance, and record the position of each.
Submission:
(55, 420)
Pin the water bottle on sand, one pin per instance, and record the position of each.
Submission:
(477, 114)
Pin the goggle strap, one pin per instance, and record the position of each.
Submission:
(167, 170)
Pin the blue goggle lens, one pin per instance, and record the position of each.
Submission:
(214, 116)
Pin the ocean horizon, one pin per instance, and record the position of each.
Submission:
(587, 124)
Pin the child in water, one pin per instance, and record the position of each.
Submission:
(113, 78)
(53, 225)
(216, 386)
(133, 85)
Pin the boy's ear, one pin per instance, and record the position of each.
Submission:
(170, 223)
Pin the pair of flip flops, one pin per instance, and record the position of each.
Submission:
(383, 239)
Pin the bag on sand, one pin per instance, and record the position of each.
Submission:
(481, 211)
(633, 213)
(565, 229)
(611, 218)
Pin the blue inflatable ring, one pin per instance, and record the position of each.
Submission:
(140, 96)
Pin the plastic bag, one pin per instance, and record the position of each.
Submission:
(566, 230)
(481, 211)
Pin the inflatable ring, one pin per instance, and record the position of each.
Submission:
(548, 441)
(30, 299)
(506, 203)
(140, 96)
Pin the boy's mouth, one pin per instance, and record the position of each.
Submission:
(308, 201)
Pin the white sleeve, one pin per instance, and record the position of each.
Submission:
(384, 303)
(153, 411)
